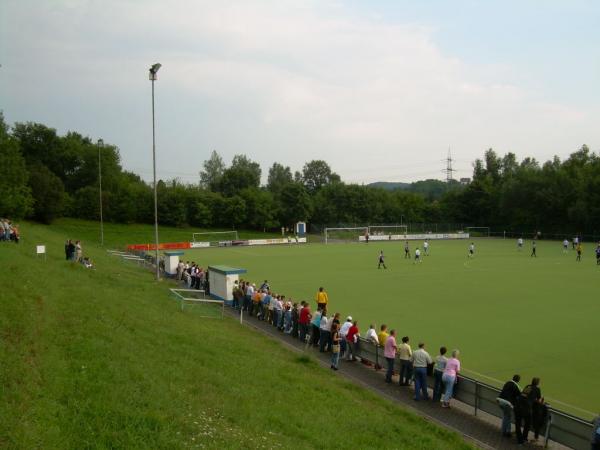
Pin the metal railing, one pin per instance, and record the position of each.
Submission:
(561, 427)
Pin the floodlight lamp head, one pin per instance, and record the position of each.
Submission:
(153, 70)
(100, 142)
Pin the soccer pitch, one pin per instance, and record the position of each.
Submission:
(506, 311)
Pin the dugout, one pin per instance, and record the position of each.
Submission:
(171, 262)
(222, 279)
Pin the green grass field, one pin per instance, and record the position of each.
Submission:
(507, 313)
(105, 359)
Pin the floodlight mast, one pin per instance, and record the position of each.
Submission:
(100, 145)
(152, 76)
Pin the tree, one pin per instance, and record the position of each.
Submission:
(260, 208)
(279, 176)
(295, 204)
(214, 167)
(316, 174)
(243, 173)
(15, 195)
(48, 193)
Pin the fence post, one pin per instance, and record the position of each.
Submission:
(548, 425)
(476, 396)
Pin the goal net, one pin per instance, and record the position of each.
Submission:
(198, 302)
(344, 234)
(215, 236)
(478, 231)
(384, 230)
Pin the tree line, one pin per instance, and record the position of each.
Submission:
(44, 176)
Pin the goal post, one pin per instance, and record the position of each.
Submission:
(375, 230)
(478, 231)
(212, 236)
(344, 234)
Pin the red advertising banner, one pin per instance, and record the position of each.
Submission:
(161, 246)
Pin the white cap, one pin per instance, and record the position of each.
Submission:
(349, 319)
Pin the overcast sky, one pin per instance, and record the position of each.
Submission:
(378, 89)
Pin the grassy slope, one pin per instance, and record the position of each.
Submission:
(104, 359)
(507, 312)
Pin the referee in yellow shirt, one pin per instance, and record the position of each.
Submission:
(322, 299)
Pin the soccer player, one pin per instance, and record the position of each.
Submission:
(566, 246)
(575, 242)
(406, 251)
(417, 256)
(598, 255)
(533, 248)
(472, 250)
(381, 260)
(426, 248)
(520, 244)
(578, 249)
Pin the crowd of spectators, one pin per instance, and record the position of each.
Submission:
(326, 331)
(9, 231)
(194, 276)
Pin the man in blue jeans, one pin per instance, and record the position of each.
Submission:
(507, 401)
(420, 360)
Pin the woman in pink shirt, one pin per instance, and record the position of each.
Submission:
(449, 377)
(390, 355)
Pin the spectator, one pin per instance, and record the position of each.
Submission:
(383, 335)
(315, 324)
(287, 318)
(265, 286)
(256, 300)
(322, 299)
(596, 433)
(390, 355)
(278, 312)
(438, 371)
(67, 249)
(70, 251)
(405, 353)
(295, 317)
(324, 334)
(352, 341)
(538, 408)
(372, 335)
(304, 321)
(343, 332)
(421, 360)
(335, 346)
(78, 251)
(248, 299)
(449, 377)
(507, 400)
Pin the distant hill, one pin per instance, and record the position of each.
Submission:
(431, 189)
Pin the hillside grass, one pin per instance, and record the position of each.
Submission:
(104, 359)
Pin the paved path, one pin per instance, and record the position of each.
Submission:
(482, 430)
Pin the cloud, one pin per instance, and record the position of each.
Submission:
(280, 81)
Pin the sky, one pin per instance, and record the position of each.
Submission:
(381, 90)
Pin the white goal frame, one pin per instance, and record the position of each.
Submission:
(183, 297)
(194, 239)
(403, 227)
(327, 230)
(468, 229)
